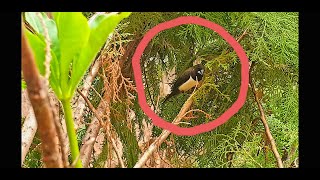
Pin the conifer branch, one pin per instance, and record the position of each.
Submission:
(265, 123)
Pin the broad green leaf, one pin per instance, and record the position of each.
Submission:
(37, 45)
(53, 35)
(73, 33)
(55, 76)
(34, 21)
(101, 27)
(56, 16)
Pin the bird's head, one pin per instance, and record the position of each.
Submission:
(199, 69)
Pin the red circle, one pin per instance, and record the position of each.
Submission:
(158, 121)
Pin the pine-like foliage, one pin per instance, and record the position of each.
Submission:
(271, 40)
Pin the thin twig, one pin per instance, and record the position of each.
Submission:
(87, 143)
(91, 107)
(242, 35)
(78, 112)
(239, 38)
(197, 110)
(164, 134)
(265, 124)
(91, 132)
(182, 123)
(162, 158)
(103, 124)
(61, 137)
(291, 154)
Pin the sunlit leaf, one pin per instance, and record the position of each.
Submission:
(23, 85)
(34, 21)
(101, 27)
(37, 45)
(73, 33)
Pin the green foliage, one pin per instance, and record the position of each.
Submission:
(101, 27)
(73, 35)
(127, 135)
(100, 161)
(33, 158)
(23, 85)
(88, 15)
(271, 40)
(81, 132)
(75, 43)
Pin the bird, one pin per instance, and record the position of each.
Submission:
(187, 80)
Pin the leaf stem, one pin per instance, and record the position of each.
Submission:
(71, 132)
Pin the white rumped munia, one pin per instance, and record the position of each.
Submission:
(190, 78)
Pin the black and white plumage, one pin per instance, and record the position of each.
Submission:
(187, 80)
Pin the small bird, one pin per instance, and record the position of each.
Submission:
(187, 80)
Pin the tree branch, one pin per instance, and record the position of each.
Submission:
(38, 96)
(265, 124)
(109, 137)
(78, 112)
(164, 134)
(28, 131)
(91, 133)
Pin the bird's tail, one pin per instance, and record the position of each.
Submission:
(170, 96)
(167, 97)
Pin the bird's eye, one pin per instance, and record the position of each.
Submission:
(200, 71)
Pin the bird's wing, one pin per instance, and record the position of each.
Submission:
(182, 78)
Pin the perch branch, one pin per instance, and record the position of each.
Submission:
(265, 124)
(164, 134)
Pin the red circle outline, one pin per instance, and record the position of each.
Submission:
(158, 121)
